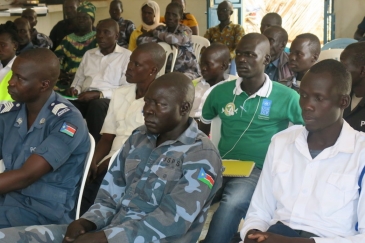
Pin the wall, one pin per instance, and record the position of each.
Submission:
(349, 14)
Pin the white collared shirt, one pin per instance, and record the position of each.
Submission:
(6, 69)
(318, 195)
(102, 73)
(124, 115)
(202, 90)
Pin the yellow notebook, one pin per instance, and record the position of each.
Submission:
(237, 168)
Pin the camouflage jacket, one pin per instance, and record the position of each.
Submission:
(158, 194)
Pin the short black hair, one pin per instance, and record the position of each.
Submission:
(357, 53)
(117, 1)
(340, 76)
(10, 29)
(283, 34)
(275, 16)
(178, 6)
(315, 44)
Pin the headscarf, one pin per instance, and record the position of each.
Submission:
(156, 10)
(88, 8)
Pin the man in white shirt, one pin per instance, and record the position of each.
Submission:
(353, 59)
(213, 64)
(310, 185)
(101, 71)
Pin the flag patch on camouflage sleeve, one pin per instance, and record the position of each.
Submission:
(206, 178)
(68, 129)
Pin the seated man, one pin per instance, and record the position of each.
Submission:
(353, 59)
(126, 27)
(43, 143)
(73, 47)
(101, 70)
(124, 113)
(23, 27)
(304, 53)
(160, 186)
(67, 25)
(38, 39)
(270, 19)
(214, 62)
(278, 69)
(226, 32)
(252, 109)
(310, 187)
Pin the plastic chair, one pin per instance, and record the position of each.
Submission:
(169, 50)
(339, 43)
(215, 130)
(113, 158)
(198, 43)
(330, 54)
(87, 164)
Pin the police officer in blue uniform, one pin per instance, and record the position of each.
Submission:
(43, 143)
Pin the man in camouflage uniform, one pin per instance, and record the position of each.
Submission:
(159, 187)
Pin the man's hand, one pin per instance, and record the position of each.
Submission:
(273, 238)
(77, 228)
(89, 95)
(96, 237)
(72, 92)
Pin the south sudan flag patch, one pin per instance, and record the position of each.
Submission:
(206, 178)
(68, 129)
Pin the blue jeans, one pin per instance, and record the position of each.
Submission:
(235, 197)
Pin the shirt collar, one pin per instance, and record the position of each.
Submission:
(117, 49)
(276, 62)
(264, 91)
(226, 77)
(10, 63)
(187, 137)
(345, 143)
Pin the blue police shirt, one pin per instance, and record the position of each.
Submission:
(59, 134)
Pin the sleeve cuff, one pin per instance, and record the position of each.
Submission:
(107, 94)
(205, 121)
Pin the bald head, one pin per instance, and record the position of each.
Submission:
(45, 70)
(270, 19)
(356, 51)
(220, 50)
(257, 39)
(178, 84)
(109, 24)
(278, 38)
(156, 52)
(313, 42)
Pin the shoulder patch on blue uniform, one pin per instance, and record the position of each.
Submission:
(10, 106)
(58, 108)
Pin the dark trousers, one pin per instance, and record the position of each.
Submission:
(94, 113)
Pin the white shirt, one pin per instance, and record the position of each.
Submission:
(202, 90)
(6, 69)
(317, 195)
(124, 115)
(102, 73)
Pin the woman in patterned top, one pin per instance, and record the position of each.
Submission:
(73, 46)
(178, 35)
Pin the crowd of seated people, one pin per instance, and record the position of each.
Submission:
(299, 120)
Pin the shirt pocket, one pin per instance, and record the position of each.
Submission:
(281, 174)
(340, 195)
(113, 74)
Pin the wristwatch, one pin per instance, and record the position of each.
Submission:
(101, 95)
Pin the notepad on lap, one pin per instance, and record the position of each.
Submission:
(237, 168)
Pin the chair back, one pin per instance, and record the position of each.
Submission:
(340, 43)
(330, 54)
(113, 158)
(215, 130)
(169, 50)
(87, 164)
(198, 43)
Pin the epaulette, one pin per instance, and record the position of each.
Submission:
(10, 106)
(58, 108)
